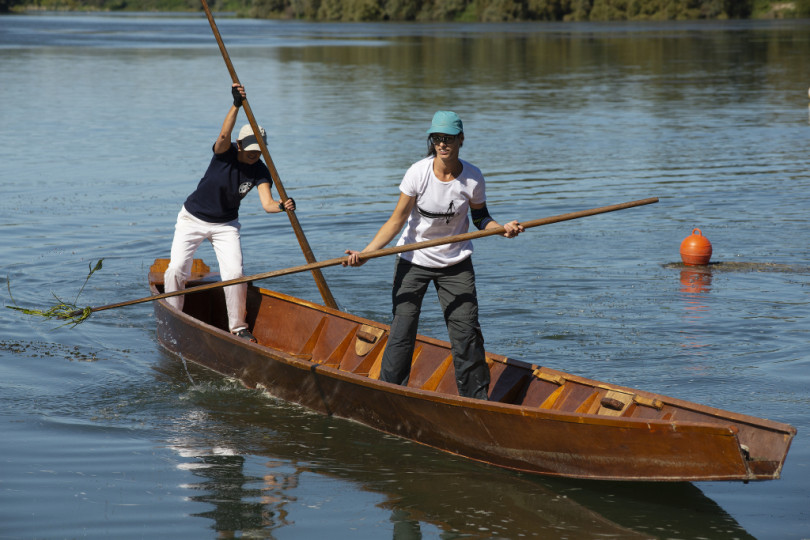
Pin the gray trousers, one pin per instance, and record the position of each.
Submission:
(455, 286)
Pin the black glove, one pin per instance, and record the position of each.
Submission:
(281, 205)
(237, 97)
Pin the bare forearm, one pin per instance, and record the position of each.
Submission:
(224, 139)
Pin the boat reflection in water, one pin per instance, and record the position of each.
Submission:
(266, 465)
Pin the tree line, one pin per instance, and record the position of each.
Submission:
(449, 10)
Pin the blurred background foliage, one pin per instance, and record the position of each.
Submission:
(447, 10)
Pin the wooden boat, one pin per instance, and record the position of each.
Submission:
(538, 420)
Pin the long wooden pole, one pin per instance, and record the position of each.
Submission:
(384, 252)
(326, 294)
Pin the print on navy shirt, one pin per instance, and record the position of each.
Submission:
(244, 188)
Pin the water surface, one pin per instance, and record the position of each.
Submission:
(109, 122)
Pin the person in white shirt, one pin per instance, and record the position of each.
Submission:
(436, 195)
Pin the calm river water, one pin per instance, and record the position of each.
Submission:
(107, 125)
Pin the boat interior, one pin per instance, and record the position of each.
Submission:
(342, 341)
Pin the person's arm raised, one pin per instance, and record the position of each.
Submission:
(223, 142)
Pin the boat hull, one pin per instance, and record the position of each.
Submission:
(333, 372)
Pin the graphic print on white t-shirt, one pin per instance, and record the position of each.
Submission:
(444, 212)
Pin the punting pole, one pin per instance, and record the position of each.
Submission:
(386, 251)
(326, 294)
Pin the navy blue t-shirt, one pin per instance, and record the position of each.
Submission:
(224, 185)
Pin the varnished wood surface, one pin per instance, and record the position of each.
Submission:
(538, 420)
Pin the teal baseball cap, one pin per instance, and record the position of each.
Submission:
(446, 122)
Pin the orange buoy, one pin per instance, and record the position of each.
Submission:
(696, 249)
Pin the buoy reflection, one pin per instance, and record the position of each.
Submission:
(696, 281)
(695, 285)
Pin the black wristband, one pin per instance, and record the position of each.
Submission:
(237, 97)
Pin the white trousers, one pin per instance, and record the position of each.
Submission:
(189, 232)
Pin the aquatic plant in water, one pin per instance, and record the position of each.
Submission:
(62, 310)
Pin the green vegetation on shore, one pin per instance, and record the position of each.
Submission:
(447, 10)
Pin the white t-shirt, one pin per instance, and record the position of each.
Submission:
(441, 210)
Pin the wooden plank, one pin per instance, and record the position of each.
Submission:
(367, 337)
(650, 437)
(508, 384)
(337, 354)
(433, 382)
(361, 365)
(614, 403)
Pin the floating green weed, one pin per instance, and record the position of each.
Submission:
(62, 310)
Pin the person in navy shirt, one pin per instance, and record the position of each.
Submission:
(211, 213)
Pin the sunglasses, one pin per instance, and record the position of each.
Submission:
(446, 139)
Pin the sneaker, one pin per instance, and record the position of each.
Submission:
(244, 333)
